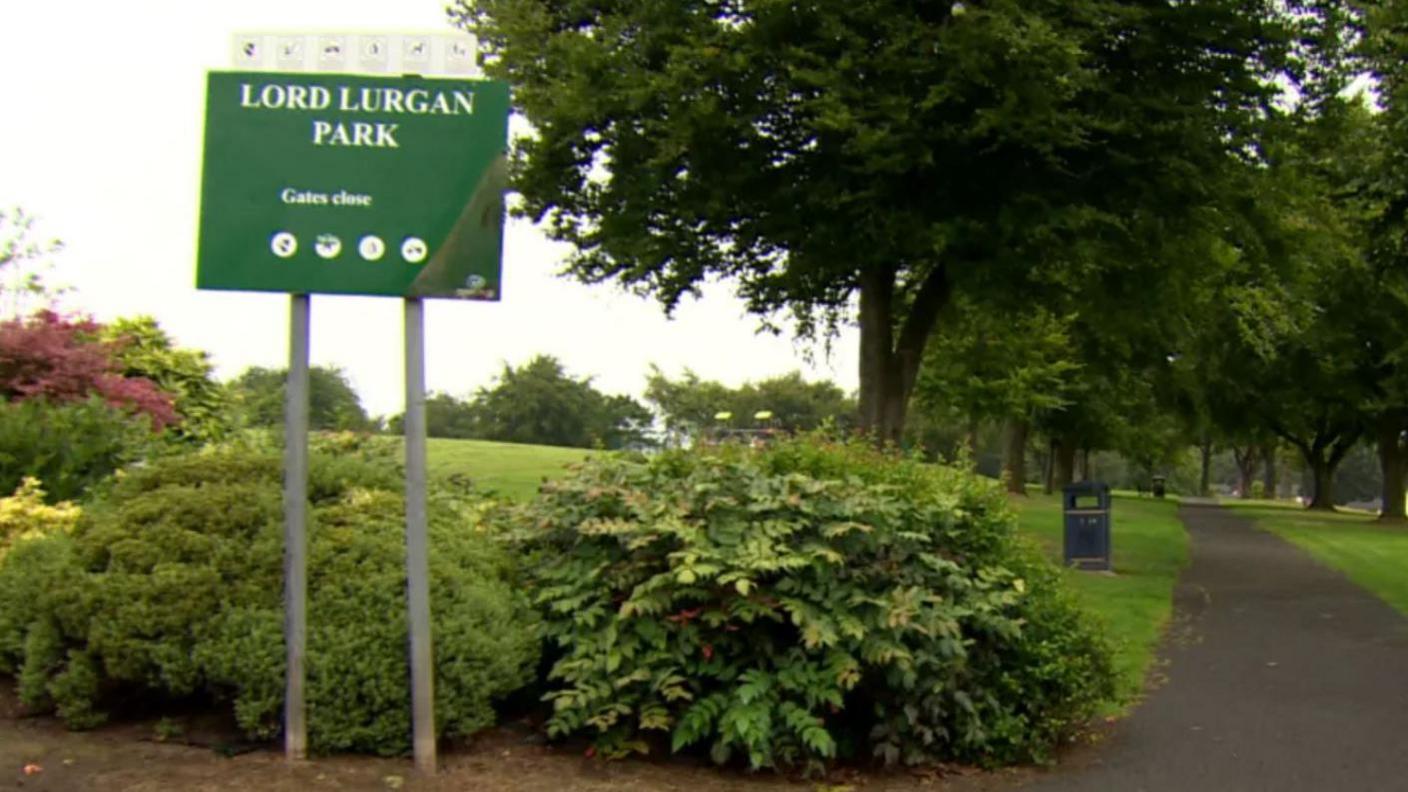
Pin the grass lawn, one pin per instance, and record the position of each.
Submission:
(506, 468)
(1150, 549)
(1372, 555)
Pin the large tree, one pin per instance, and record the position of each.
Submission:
(539, 402)
(690, 404)
(989, 367)
(333, 404)
(1385, 47)
(870, 160)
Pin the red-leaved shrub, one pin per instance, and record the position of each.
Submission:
(47, 356)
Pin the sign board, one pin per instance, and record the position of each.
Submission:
(353, 184)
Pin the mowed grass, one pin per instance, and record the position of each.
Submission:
(512, 470)
(1374, 556)
(1150, 548)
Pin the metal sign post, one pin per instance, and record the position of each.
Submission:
(417, 556)
(325, 173)
(295, 527)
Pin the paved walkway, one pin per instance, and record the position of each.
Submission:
(1281, 676)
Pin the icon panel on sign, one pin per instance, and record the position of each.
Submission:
(290, 52)
(249, 52)
(414, 250)
(332, 51)
(459, 56)
(373, 53)
(416, 50)
(283, 244)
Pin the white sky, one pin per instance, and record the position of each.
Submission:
(101, 138)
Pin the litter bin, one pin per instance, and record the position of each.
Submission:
(1086, 508)
(1158, 486)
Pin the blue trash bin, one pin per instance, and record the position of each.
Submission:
(1086, 508)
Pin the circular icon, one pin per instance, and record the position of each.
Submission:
(371, 247)
(413, 249)
(328, 246)
(283, 244)
(475, 282)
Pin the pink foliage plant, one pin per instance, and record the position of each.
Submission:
(60, 359)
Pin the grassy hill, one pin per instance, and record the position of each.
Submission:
(510, 469)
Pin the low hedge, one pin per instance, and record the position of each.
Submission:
(171, 587)
(803, 603)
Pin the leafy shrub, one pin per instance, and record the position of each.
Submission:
(140, 349)
(61, 360)
(805, 602)
(26, 515)
(70, 447)
(174, 588)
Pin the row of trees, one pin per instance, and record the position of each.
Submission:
(540, 402)
(1102, 224)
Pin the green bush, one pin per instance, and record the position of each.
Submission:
(70, 447)
(801, 603)
(173, 587)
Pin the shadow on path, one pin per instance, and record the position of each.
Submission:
(1281, 675)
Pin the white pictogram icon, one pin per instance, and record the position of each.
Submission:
(328, 246)
(371, 247)
(283, 244)
(413, 250)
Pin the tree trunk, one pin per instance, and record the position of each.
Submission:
(1049, 471)
(1323, 451)
(1014, 465)
(1268, 476)
(1323, 475)
(1085, 472)
(1246, 460)
(889, 363)
(973, 442)
(1065, 455)
(1204, 478)
(1393, 462)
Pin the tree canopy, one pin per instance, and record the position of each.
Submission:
(688, 405)
(333, 404)
(870, 161)
(541, 404)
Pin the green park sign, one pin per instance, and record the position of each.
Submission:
(349, 184)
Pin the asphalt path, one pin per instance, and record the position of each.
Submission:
(1279, 674)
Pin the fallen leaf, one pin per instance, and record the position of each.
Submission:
(31, 769)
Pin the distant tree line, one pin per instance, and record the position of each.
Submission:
(538, 402)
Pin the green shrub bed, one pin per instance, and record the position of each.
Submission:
(803, 603)
(171, 587)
